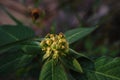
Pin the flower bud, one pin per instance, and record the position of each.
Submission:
(54, 45)
(55, 55)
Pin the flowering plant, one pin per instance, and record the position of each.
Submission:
(23, 53)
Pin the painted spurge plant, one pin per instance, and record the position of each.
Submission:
(51, 58)
(54, 46)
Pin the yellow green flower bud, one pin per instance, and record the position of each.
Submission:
(61, 35)
(62, 47)
(54, 45)
(48, 35)
(55, 55)
(52, 35)
(46, 55)
(49, 42)
(42, 43)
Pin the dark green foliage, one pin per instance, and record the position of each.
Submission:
(20, 51)
(108, 68)
(32, 48)
(52, 71)
(11, 54)
(72, 64)
(12, 33)
(104, 68)
(78, 33)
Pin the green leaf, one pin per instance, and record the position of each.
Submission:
(105, 69)
(77, 55)
(52, 71)
(77, 66)
(72, 63)
(12, 34)
(25, 60)
(76, 34)
(32, 48)
(14, 59)
(108, 68)
(10, 59)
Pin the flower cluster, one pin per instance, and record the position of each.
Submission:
(54, 46)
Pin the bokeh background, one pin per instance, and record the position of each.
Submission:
(63, 15)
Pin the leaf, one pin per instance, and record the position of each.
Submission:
(77, 66)
(76, 34)
(72, 63)
(25, 60)
(105, 69)
(52, 71)
(77, 55)
(108, 68)
(10, 59)
(14, 59)
(12, 34)
(32, 48)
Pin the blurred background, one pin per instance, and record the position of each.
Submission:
(54, 16)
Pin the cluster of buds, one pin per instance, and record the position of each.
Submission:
(54, 46)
